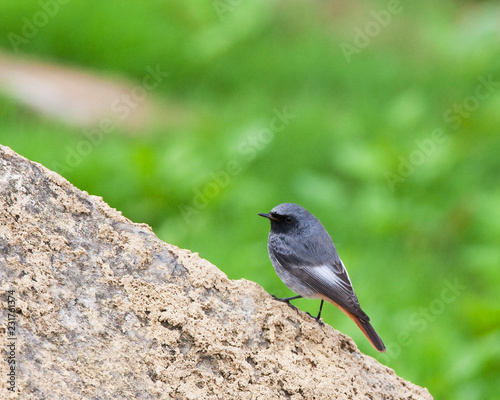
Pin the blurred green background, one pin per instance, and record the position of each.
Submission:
(389, 134)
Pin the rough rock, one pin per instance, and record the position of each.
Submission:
(104, 309)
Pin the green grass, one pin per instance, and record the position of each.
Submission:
(352, 124)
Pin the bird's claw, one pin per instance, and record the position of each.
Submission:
(318, 320)
(287, 301)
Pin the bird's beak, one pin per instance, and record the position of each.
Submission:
(269, 216)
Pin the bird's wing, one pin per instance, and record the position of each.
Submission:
(329, 278)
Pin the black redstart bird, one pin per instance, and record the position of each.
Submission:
(304, 257)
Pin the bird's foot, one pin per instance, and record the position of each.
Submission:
(318, 319)
(286, 300)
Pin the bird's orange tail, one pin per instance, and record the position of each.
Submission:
(370, 334)
(365, 327)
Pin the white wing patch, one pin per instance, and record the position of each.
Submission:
(326, 275)
(335, 280)
(345, 270)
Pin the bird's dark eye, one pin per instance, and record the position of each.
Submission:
(288, 219)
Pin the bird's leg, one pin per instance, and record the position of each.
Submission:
(319, 314)
(287, 300)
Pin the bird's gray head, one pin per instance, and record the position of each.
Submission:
(291, 218)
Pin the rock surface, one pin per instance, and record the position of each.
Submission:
(104, 309)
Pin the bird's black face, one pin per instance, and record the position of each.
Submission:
(282, 223)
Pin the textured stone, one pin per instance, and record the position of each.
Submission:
(104, 309)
